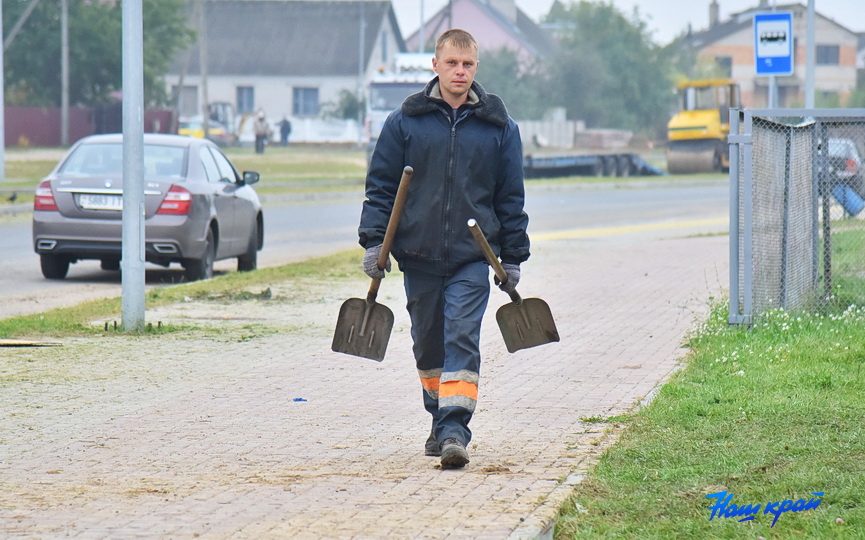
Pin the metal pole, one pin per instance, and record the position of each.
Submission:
(361, 63)
(747, 259)
(203, 68)
(2, 105)
(735, 149)
(773, 92)
(64, 72)
(809, 57)
(132, 263)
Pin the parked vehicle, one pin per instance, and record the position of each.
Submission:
(217, 132)
(697, 133)
(197, 208)
(845, 164)
(388, 89)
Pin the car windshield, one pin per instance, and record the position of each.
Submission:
(107, 159)
(391, 95)
(697, 98)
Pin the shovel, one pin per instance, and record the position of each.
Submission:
(363, 327)
(525, 322)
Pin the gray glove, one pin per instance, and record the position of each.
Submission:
(370, 263)
(513, 272)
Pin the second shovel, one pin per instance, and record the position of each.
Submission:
(525, 322)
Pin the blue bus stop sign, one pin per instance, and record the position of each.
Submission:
(773, 43)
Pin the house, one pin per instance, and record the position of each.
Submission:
(731, 45)
(284, 58)
(495, 24)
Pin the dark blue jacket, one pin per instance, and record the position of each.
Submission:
(466, 165)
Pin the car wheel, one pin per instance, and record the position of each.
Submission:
(54, 267)
(249, 260)
(198, 269)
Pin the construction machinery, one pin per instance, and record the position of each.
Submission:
(697, 133)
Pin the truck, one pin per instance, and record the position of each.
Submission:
(611, 163)
(410, 74)
(389, 88)
(697, 133)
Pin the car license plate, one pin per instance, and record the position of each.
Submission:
(92, 201)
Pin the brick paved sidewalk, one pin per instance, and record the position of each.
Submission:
(244, 432)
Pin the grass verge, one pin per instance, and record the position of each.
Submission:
(77, 320)
(769, 414)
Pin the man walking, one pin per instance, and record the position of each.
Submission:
(262, 133)
(467, 156)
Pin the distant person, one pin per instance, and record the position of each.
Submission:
(284, 131)
(262, 133)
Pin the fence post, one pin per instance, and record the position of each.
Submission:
(734, 144)
(823, 178)
(785, 225)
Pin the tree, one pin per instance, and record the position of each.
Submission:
(609, 72)
(501, 73)
(95, 48)
(347, 107)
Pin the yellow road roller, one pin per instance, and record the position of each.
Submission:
(697, 133)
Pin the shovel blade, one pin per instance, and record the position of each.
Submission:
(363, 329)
(526, 324)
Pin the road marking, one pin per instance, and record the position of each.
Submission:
(611, 231)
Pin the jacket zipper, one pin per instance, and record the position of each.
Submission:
(449, 181)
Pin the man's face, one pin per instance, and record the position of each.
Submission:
(456, 68)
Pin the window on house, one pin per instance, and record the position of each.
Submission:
(305, 102)
(827, 55)
(725, 64)
(245, 99)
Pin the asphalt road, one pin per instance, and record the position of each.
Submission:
(299, 229)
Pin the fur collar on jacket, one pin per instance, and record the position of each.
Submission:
(488, 107)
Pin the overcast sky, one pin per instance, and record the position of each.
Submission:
(665, 18)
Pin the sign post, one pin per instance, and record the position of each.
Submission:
(773, 48)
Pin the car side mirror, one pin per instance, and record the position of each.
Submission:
(250, 177)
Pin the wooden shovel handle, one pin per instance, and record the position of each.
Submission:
(390, 232)
(395, 214)
(491, 257)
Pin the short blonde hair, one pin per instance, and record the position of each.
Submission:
(458, 38)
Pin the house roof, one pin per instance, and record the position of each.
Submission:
(530, 37)
(744, 19)
(287, 37)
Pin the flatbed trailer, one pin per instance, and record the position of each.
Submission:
(587, 164)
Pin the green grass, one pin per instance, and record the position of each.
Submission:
(77, 320)
(769, 414)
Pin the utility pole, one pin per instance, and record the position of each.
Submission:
(202, 67)
(64, 73)
(2, 104)
(361, 57)
(132, 233)
(809, 56)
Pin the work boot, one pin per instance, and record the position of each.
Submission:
(454, 455)
(431, 447)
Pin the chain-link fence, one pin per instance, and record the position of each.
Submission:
(797, 215)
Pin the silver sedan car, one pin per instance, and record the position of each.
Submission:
(197, 208)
